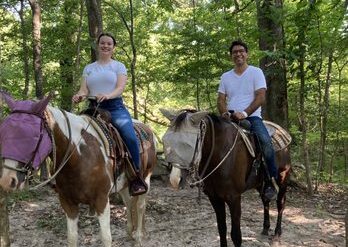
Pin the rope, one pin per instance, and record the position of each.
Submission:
(225, 157)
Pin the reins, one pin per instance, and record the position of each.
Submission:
(198, 153)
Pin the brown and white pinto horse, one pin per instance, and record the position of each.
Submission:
(212, 150)
(85, 170)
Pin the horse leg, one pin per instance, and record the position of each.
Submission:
(220, 212)
(104, 222)
(235, 211)
(71, 213)
(266, 222)
(140, 214)
(128, 202)
(280, 206)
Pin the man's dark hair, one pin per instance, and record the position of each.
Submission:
(108, 35)
(238, 42)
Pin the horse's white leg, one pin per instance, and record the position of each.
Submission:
(127, 200)
(72, 229)
(140, 214)
(104, 222)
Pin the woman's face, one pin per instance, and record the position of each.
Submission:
(106, 46)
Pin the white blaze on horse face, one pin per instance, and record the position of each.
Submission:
(175, 177)
(9, 180)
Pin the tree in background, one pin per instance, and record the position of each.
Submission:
(270, 22)
(36, 31)
(95, 24)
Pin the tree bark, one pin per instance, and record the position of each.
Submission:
(323, 118)
(25, 51)
(271, 40)
(68, 49)
(303, 124)
(36, 12)
(134, 60)
(95, 24)
(4, 221)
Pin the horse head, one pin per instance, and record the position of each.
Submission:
(179, 142)
(24, 140)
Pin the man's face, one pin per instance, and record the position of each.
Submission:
(239, 55)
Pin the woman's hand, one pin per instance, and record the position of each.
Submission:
(102, 97)
(77, 98)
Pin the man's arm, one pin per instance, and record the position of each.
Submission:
(222, 105)
(260, 98)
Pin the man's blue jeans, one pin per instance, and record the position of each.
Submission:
(258, 127)
(123, 122)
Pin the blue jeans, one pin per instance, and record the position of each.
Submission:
(258, 127)
(122, 120)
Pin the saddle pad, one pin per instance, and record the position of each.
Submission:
(280, 137)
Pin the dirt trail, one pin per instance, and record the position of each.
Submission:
(174, 218)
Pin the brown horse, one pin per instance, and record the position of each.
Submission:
(84, 171)
(213, 151)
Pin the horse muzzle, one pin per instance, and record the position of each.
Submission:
(11, 179)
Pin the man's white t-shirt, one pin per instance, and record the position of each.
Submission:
(102, 78)
(240, 89)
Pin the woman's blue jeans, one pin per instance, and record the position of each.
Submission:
(123, 122)
(258, 127)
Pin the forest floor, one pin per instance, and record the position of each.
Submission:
(174, 218)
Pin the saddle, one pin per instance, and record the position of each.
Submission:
(280, 140)
(113, 143)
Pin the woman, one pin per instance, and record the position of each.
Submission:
(105, 80)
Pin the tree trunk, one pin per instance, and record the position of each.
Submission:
(134, 60)
(302, 118)
(4, 221)
(272, 40)
(95, 24)
(25, 51)
(303, 124)
(78, 43)
(68, 49)
(323, 118)
(36, 11)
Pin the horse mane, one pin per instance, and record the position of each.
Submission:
(181, 117)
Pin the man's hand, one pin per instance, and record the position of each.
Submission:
(226, 115)
(239, 115)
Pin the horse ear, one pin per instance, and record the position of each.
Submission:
(42, 104)
(168, 114)
(8, 99)
(198, 116)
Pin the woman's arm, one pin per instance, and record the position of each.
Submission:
(117, 92)
(82, 93)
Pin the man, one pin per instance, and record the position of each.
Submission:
(243, 91)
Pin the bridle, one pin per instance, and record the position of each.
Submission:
(196, 176)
